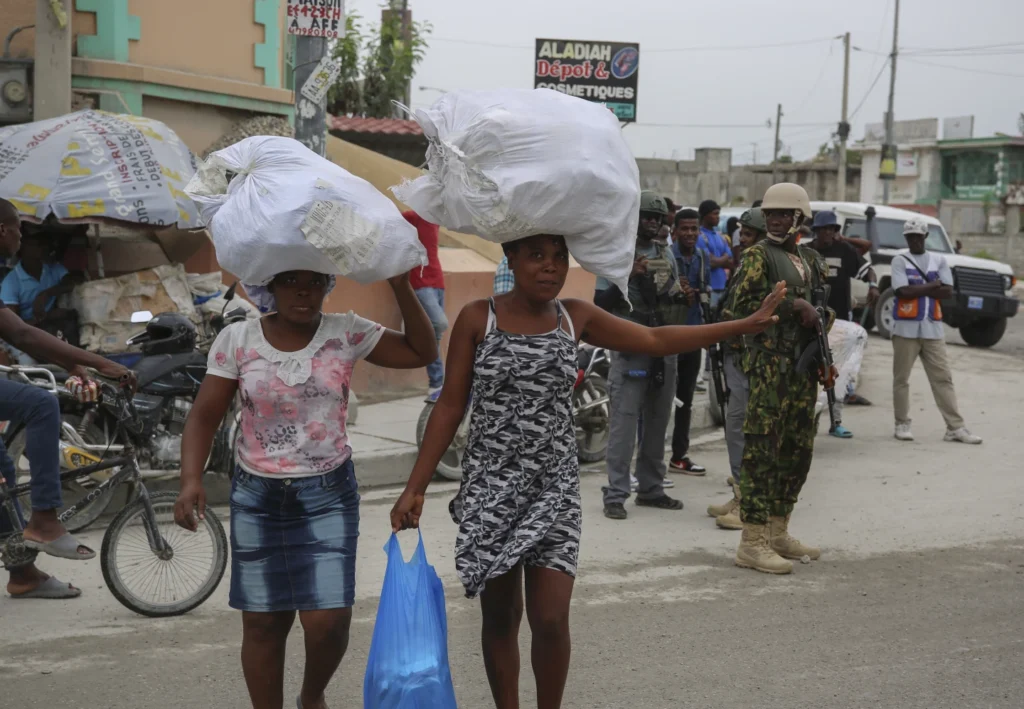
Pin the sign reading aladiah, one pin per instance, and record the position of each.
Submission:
(604, 72)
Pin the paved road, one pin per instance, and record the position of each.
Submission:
(916, 602)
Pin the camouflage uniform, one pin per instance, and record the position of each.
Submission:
(779, 425)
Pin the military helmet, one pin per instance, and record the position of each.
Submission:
(787, 195)
(754, 219)
(651, 201)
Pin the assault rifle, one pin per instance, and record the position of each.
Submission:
(818, 351)
(716, 356)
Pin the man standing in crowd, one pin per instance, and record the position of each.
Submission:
(847, 337)
(639, 384)
(727, 516)
(694, 278)
(719, 252)
(428, 284)
(921, 279)
(778, 429)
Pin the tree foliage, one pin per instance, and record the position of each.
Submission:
(376, 66)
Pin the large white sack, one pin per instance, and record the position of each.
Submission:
(511, 163)
(288, 209)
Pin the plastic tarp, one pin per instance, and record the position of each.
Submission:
(95, 166)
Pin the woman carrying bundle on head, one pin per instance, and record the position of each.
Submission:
(294, 505)
(512, 358)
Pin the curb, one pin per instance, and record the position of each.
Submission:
(377, 468)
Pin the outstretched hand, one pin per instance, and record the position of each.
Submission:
(765, 316)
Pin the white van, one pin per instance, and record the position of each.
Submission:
(983, 289)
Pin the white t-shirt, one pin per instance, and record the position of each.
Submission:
(294, 404)
(933, 264)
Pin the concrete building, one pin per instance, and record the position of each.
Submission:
(711, 175)
(196, 65)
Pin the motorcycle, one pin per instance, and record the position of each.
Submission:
(591, 412)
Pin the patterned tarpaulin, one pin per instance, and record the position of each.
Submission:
(94, 165)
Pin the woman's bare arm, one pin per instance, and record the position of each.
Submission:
(602, 329)
(447, 414)
(417, 346)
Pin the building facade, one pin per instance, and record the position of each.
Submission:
(196, 65)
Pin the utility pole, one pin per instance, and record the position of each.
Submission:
(892, 94)
(52, 91)
(310, 117)
(844, 125)
(775, 152)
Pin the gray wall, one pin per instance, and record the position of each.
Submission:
(712, 176)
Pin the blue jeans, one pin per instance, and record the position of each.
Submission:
(39, 412)
(432, 300)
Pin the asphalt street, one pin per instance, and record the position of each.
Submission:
(915, 603)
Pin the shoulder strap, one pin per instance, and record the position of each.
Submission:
(492, 316)
(922, 271)
(563, 312)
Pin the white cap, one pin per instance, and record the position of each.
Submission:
(915, 225)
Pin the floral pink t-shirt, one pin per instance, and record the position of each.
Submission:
(294, 404)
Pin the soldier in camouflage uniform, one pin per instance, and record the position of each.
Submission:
(640, 384)
(779, 425)
(727, 516)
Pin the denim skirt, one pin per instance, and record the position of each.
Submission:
(293, 541)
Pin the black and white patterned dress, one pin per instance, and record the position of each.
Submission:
(520, 495)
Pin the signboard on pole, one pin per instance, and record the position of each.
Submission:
(316, 18)
(603, 72)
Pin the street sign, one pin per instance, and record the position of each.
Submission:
(316, 18)
(603, 72)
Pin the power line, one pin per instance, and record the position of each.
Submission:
(954, 50)
(666, 50)
(870, 89)
(814, 86)
(960, 68)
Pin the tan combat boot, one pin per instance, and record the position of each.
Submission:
(784, 545)
(755, 553)
(728, 507)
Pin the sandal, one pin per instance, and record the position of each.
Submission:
(51, 588)
(664, 502)
(841, 432)
(63, 547)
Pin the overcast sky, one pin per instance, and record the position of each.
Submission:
(489, 44)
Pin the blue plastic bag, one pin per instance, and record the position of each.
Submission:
(408, 663)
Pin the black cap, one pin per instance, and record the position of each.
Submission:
(707, 207)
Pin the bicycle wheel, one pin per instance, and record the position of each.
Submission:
(73, 490)
(167, 584)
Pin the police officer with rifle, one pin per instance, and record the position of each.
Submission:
(639, 384)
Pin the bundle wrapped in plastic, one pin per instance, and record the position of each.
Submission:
(272, 205)
(512, 163)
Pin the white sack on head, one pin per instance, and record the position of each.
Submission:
(512, 163)
(287, 209)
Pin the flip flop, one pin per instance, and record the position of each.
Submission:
(841, 432)
(857, 400)
(63, 547)
(51, 588)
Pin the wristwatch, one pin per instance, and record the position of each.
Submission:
(872, 285)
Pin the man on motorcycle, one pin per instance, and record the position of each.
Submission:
(39, 411)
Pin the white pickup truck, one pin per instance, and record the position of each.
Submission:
(983, 289)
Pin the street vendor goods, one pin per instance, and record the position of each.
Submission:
(272, 205)
(512, 163)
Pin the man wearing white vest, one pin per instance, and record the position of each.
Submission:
(921, 279)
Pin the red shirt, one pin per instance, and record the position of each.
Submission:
(431, 276)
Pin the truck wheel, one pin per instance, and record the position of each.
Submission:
(884, 312)
(983, 333)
